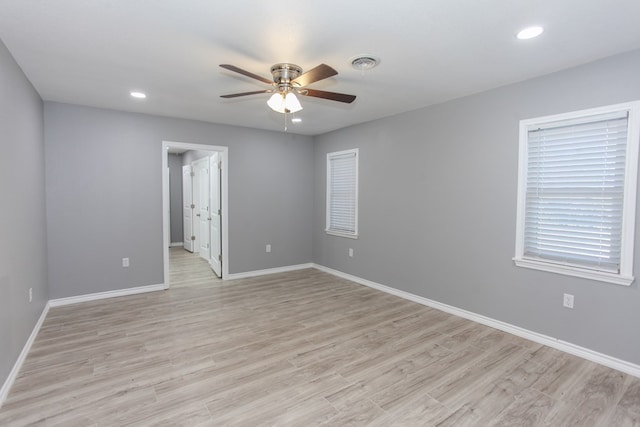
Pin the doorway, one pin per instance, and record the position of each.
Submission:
(215, 221)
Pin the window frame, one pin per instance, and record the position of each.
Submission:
(625, 276)
(328, 229)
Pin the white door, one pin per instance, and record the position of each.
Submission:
(204, 217)
(214, 214)
(196, 168)
(187, 208)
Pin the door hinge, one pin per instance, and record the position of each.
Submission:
(219, 165)
(193, 237)
(193, 173)
(193, 206)
(219, 212)
(220, 257)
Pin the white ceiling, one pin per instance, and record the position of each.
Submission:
(95, 52)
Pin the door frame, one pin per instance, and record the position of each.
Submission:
(224, 200)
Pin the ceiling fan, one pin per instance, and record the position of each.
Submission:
(288, 80)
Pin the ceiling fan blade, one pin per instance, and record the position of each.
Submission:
(318, 73)
(246, 73)
(235, 95)
(333, 96)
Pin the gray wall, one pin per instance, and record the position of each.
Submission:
(175, 198)
(23, 261)
(438, 209)
(104, 203)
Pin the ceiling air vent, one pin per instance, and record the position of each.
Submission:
(364, 62)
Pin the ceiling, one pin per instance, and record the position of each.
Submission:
(96, 52)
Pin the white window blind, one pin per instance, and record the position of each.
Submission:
(577, 193)
(342, 193)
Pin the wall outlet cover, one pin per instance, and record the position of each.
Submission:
(567, 300)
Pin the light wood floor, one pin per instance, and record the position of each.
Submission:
(298, 349)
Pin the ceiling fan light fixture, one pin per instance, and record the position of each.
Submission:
(284, 103)
(291, 103)
(276, 102)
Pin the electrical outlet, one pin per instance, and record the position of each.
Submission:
(268, 248)
(567, 301)
(350, 252)
(125, 262)
(30, 294)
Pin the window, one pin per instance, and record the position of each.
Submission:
(577, 193)
(342, 193)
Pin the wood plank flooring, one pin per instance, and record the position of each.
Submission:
(298, 349)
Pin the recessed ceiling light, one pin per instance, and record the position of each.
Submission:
(530, 32)
(296, 120)
(139, 95)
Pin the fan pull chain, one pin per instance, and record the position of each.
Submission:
(285, 121)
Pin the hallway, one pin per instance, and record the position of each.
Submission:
(187, 269)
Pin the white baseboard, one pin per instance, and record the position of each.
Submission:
(255, 273)
(102, 295)
(567, 347)
(4, 391)
(176, 244)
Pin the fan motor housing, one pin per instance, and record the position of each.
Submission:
(284, 73)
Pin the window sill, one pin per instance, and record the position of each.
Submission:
(575, 271)
(342, 234)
